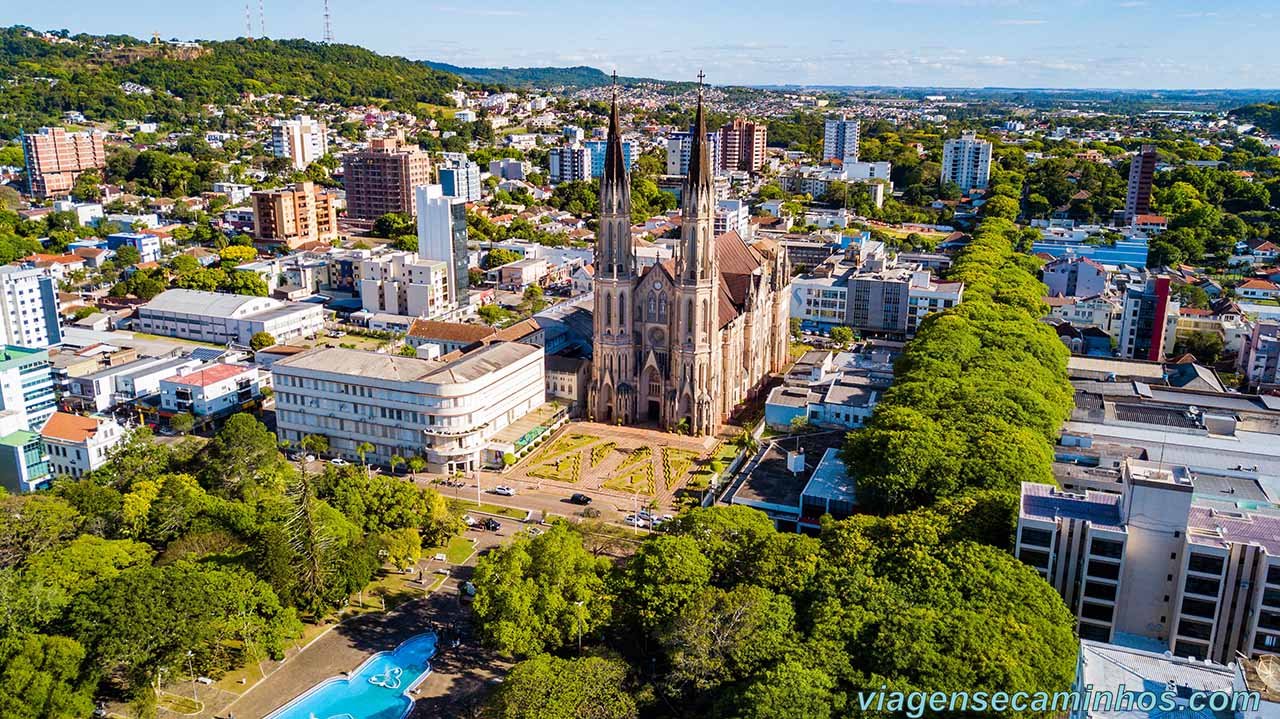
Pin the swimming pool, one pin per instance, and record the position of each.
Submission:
(378, 689)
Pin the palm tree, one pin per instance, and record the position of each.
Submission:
(363, 449)
(417, 464)
(394, 461)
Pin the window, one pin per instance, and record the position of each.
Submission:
(1038, 537)
(1198, 585)
(1099, 612)
(1034, 557)
(1195, 630)
(1106, 548)
(1198, 607)
(1104, 570)
(1205, 563)
(1098, 590)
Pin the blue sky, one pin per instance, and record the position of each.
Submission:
(1019, 43)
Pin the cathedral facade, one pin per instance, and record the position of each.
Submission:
(683, 343)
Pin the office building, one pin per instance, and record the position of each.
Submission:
(1142, 170)
(77, 445)
(449, 413)
(210, 391)
(569, 164)
(28, 307)
(55, 158)
(1149, 320)
(442, 235)
(221, 318)
(966, 162)
(1110, 677)
(680, 148)
(742, 144)
(26, 402)
(862, 171)
(1071, 276)
(630, 151)
(840, 139)
(381, 179)
(148, 246)
(462, 179)
(296, 215)
(301, 140)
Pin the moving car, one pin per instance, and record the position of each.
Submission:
(504, 490)
(492, 525)
(580, 498)
(339, 462)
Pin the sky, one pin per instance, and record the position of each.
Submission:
(1173, 44)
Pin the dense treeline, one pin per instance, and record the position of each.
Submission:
(978, 396)
(721, 615)
(1263, 114)
(171, 555)
(85, 75)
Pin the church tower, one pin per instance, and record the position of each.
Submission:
(613, 392)
(695, 327)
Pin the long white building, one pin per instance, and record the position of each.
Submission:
(220, 318)
(445, 412)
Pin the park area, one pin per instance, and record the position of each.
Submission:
(628, 460)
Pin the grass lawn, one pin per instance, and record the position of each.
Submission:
(636, 481)
(251, 673)
(465, 505)
(179, 704)
(458, 551)
(798, 349)
(448, 111)
(566, 468)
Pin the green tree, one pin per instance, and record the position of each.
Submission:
(393, 224)
(547, 687)
(182, 422)
(499, 256)
(841, 336)
(127, 255)
(404, 547)
(540, 594)
(662, 577)
(33, 523)
(245, 283)
(40, 678)
(261, 341)
(1000, 206)
(1207, 347)
(727, 635)
(243, 452)
(790, 690)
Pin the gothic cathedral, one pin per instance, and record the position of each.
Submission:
(686, 341)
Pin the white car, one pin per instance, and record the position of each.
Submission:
(468, 520)
(504, 490)
(339, 462)
(635, 521)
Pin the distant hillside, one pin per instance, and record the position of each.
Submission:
(580, 76)
(1264, 114)
(84, 72)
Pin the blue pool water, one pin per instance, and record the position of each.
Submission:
(379, 689)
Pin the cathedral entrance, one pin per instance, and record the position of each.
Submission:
(654, 410)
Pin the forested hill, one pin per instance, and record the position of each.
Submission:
(581, 76)
(42, 77)
(1264, 114)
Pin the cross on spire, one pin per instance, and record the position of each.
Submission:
(701, 76)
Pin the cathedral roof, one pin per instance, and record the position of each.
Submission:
(727, 310)
(734, 256)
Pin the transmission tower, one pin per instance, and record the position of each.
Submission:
(262, 19)
(328, 26)
(248, 22)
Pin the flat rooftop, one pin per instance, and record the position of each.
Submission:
(831, 480)
(1046, 502)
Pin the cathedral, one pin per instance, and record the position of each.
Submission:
(683, 343)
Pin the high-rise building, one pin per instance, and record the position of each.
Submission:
(742, 145)
(295, 215)
(1137, 200)
(27, 401)
(680, 150)
(55, 158)
(401, 284)
(966, 161)
(840, 139)
(1260, 356)
(569, 164)
(301, 140)
(461, 179)
(598, 147)
(28, 307)
(1149, 321)
(681, 343)
(442, 235)
(381, 179)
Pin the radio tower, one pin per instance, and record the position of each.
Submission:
(262, 19)
(328, 26)
(248, 22)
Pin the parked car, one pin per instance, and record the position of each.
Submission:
(492, 525)
(339, 462)
(468, 520)
(635, 521)
(580, 498)
(504, 490)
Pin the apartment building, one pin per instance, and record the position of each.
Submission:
(148, 246)
(630, 151)
(382, 178)
(1071, 276)
(569, 164)
(743, 145)
(399, 283)
(55, 158)
(221, 318)
(295, 215)
(878, 297)
(966, 162)
(1259, 359)
(461, 179)
(840, 139)
(733, 216)
(1149, 320)
(26, 403)
(680, 148)
(442, 236)
(1142, 170)
(301, 140)
(77, 445)
(28, 307)
(115, 385)
(508, 169)
(210, 391)
(446, 412)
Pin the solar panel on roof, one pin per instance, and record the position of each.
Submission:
(207, 354)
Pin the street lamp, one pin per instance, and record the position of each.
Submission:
(578, 614)
(192, 670)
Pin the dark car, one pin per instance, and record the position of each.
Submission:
(580, 498)
(492, 525)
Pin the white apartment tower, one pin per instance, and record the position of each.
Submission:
(28, 308)
(302, 140)
(840, 139)
(442, 235)
(966, 161)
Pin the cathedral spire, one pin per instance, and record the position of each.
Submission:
(700, 154)
(614, 165)
(615, 255)
(696, 257)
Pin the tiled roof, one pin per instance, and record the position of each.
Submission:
(69, 427)
(449, 331)
(209, 375)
